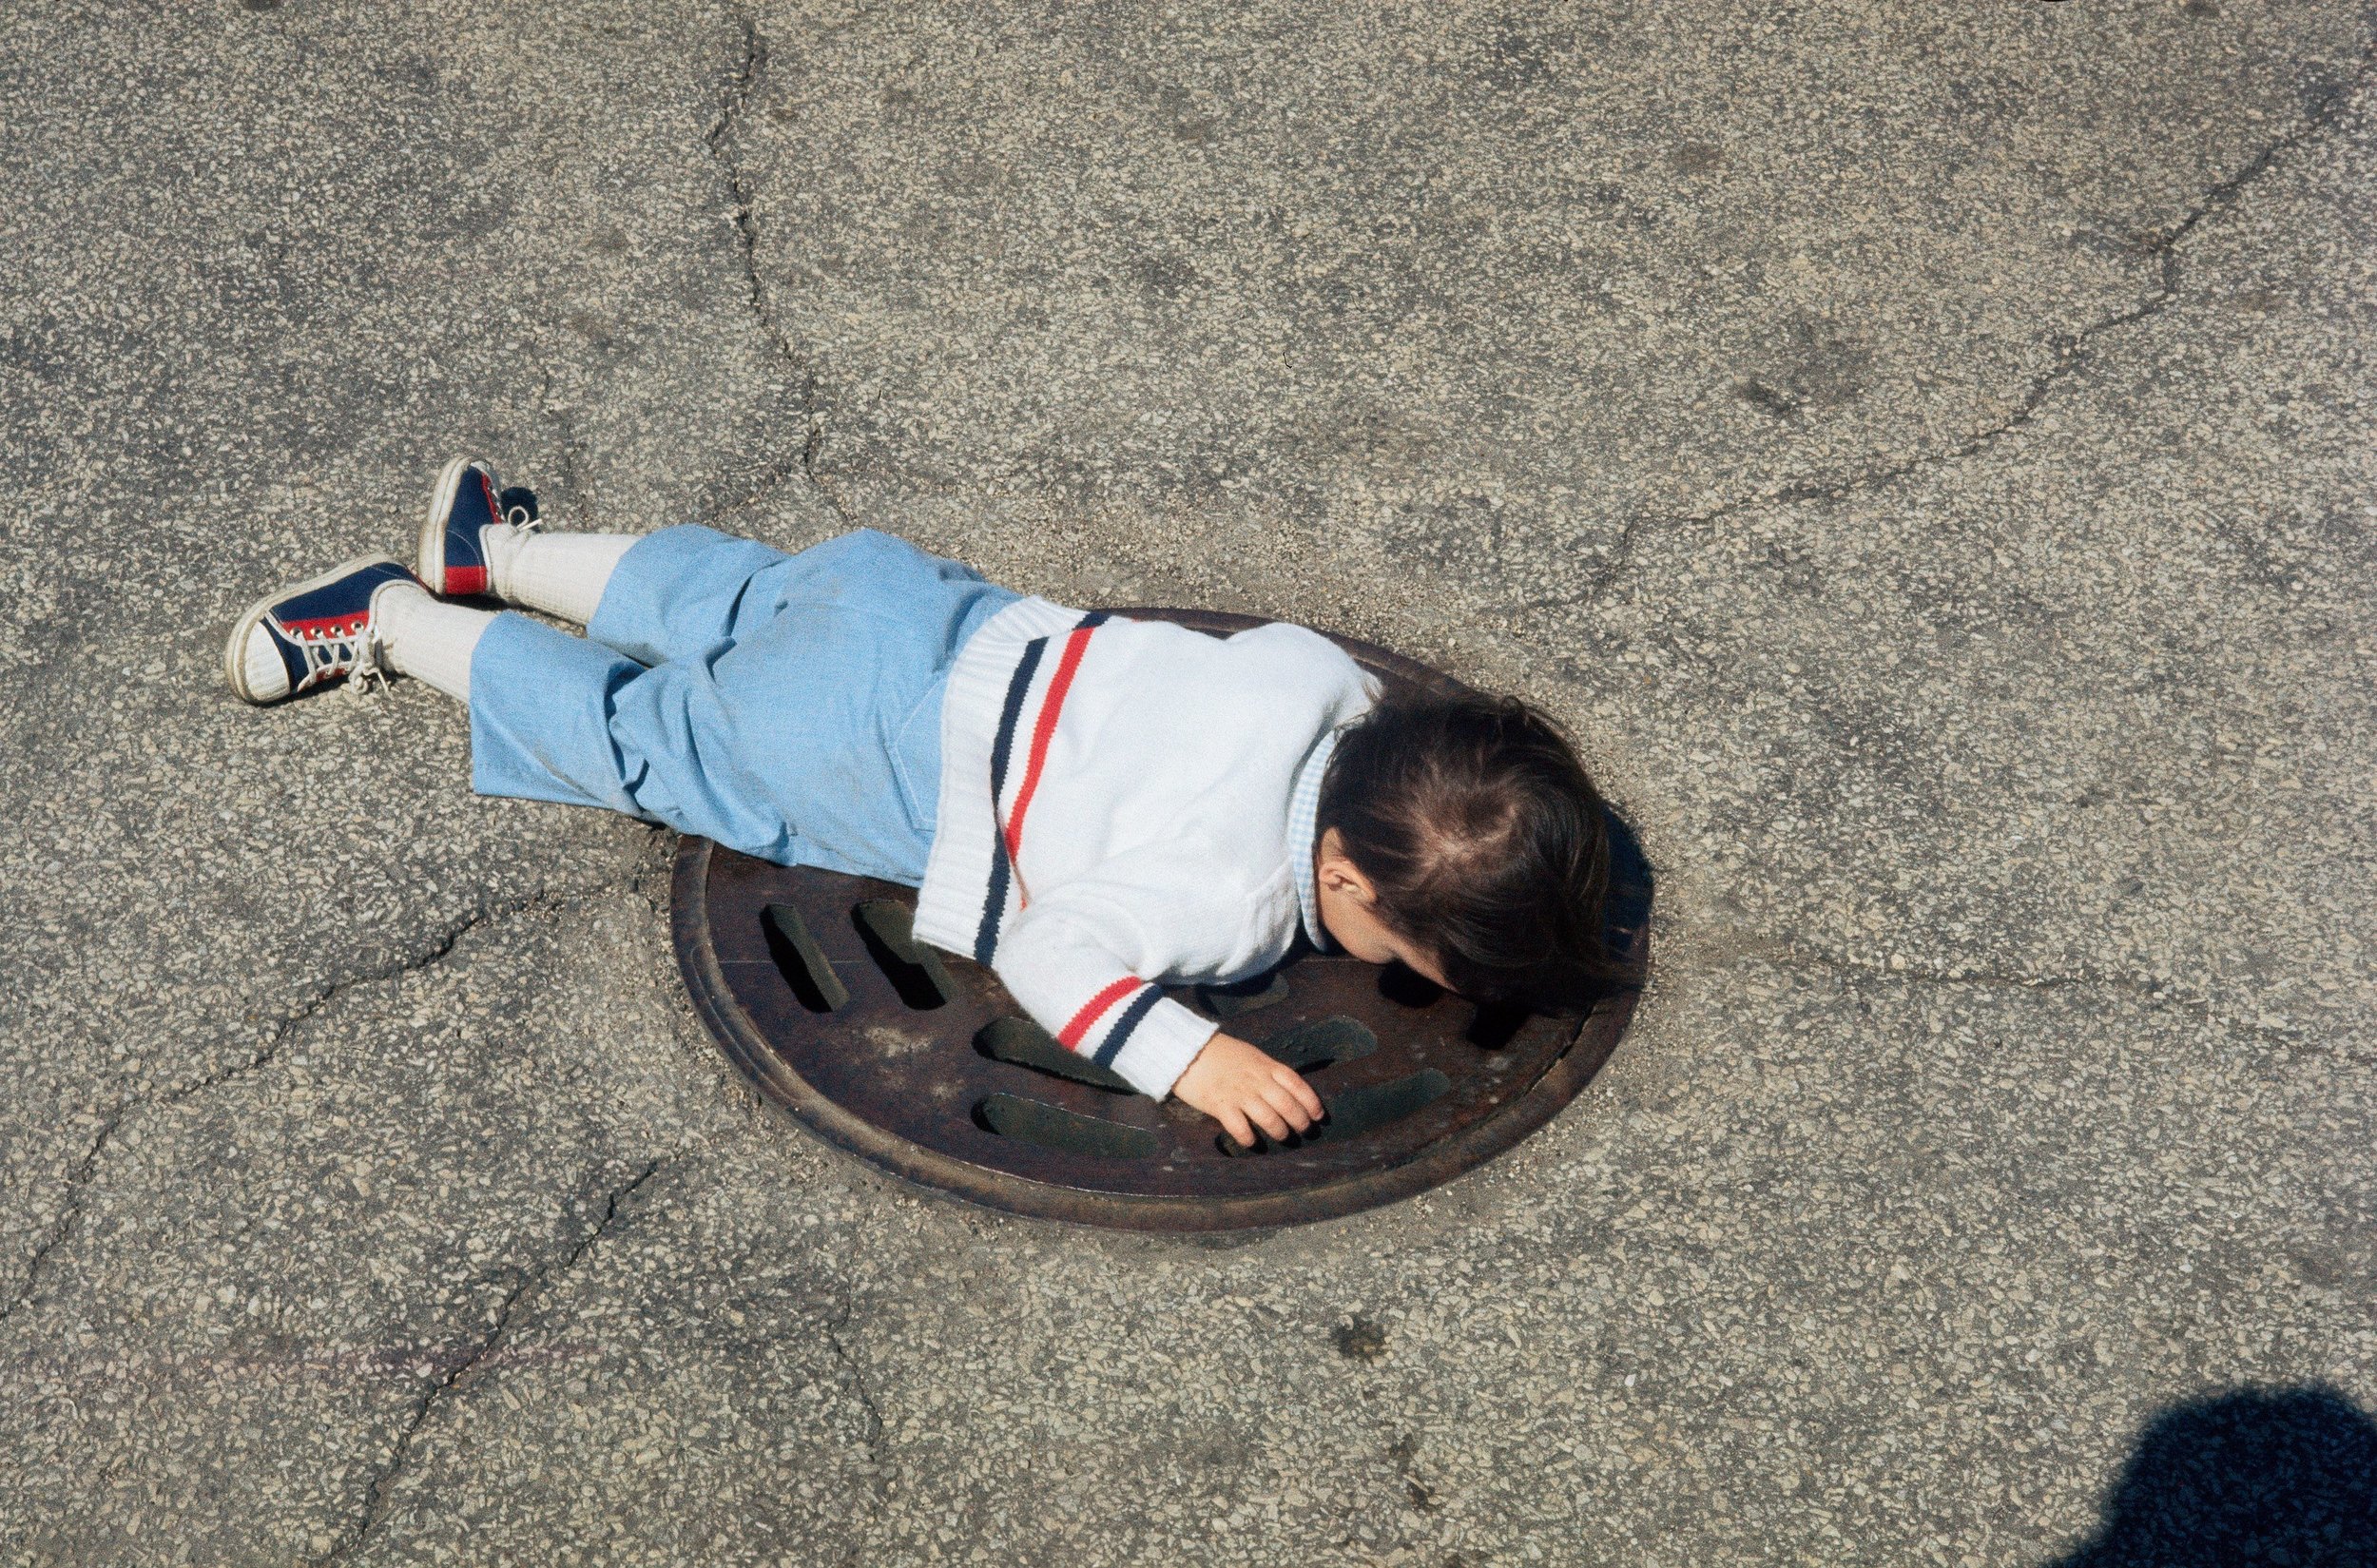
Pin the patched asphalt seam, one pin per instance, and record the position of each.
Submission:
(455, 1374)
(85, 1168)
(2070, 349)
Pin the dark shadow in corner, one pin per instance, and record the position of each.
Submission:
(2285, 1477)
(1630, 880)
(518, 503)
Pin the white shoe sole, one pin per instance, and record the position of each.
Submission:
(235, 652)
(431, 566)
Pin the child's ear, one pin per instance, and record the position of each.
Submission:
(1341, 875)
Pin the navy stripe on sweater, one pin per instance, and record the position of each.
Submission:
(1138, 1009)
(994, 905)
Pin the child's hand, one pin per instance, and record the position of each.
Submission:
(1240, 1087)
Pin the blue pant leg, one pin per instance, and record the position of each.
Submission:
(540, 715)
(692, 593)
(815, 704)
(794, 713)
(559, 718)
(686, 592)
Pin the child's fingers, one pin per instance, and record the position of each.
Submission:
(1265, 1116)
(1236, 1125)
(1294, 1083)
(1288, 1105)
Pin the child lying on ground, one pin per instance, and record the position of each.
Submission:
(1093, 807)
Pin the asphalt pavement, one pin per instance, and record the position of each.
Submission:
(1926, 452)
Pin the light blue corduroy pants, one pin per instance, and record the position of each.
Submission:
(786, 706)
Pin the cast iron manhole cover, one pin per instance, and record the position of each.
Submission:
(919, 1062)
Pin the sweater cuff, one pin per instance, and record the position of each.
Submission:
(1161, 1048)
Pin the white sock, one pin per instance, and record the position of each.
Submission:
(562, 574)
(429, 641)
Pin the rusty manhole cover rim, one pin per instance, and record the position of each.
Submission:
(985, 1160)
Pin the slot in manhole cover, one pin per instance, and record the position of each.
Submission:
(919, 1062)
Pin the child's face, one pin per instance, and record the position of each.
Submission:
(1348, 909)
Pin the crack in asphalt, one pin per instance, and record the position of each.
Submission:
(719, 141)
(2070, 350)
(1787, 954)
(831, 1325)
(453, 1369)
(871, 1439)
(86, 1166)
(570, 446)
(453, 1378)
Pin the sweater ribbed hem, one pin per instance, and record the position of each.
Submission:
(1167, 1041)
(965, 832)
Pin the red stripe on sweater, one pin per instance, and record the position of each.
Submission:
(1058, 684)
(1094, 1010)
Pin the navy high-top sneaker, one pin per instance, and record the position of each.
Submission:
(324, 629)
(466, 502)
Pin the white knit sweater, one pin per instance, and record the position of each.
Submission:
(1113, 817)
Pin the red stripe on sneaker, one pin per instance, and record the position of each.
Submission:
(465, 579)
(328, 625)
(1058, 684)
(1095, 1009)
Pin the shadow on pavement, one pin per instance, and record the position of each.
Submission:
(1631, 885)
(2284, 1477)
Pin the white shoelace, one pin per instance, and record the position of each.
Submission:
(356, 658)
(370, 673)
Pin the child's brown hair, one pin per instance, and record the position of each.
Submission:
(1487, 844)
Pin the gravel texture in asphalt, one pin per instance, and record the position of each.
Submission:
(1926, 452)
